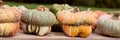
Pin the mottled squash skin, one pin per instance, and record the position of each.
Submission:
(109, 24)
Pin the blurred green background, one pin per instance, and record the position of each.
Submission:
(95, 3)
(104, 5)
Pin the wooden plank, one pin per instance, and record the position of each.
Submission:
(56, 36)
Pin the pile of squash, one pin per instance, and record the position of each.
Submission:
(70, 20)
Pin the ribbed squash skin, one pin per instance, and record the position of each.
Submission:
(39, 18)
(81, 30)
(37, 21)
(9, 14)
(109, 26)
(9, 21)
(8, 29)
(33, 29)
(75, 23)
(66, 17)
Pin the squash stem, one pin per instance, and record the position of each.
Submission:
(42, 8)
(1, 4)
(89, 9)
(75, 10)
(116, 15)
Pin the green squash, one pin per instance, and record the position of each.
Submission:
(109, 24)
(58, 7)
(37, 22)
(40, 18)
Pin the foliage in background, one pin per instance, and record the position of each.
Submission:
(97, 3)
(34, 5)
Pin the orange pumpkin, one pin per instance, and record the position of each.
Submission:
(67, 17)
(9, 20)
(76, 23)
(9, 14)
(76, 17)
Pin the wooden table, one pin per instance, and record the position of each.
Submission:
(56, 36)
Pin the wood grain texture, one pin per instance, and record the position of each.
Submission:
(56, 36)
